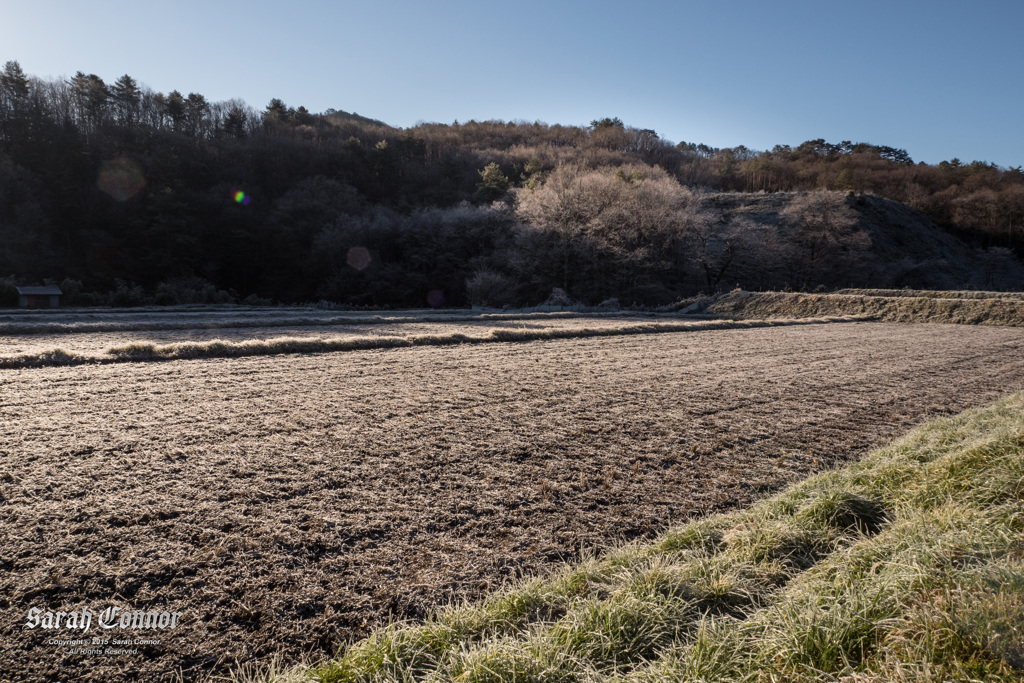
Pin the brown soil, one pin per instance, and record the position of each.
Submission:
(290, 503)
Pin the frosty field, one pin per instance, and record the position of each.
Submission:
(93, 334)
(289, 503)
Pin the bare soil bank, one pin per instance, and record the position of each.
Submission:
(290, 503)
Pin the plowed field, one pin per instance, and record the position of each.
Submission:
(287, 504)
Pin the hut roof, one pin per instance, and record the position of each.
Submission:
(40, 291)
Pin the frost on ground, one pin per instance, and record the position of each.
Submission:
(93, 334)
(287, 504)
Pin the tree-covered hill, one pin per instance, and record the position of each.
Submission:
(141, 196)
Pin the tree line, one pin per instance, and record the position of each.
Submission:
(131, 196)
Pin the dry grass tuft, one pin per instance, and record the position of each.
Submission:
(220, 348)
(48, 358)
(934, 293)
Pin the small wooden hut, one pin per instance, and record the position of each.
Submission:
(39, 297)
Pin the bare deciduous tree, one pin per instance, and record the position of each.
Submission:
(823, 231)
(568, 205)
(617, 225)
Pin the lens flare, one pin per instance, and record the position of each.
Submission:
(121, 179)
(242, 198)
(359, 257)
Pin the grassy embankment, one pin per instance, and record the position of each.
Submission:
(934, 293)
(906, 566)
(966, 308)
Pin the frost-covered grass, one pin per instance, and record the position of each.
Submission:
(908, 565)
(966, 308)
(219, 348)
(934, 293)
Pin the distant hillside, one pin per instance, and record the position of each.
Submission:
(129, 196)
(907, 248)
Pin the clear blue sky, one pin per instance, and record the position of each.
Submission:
(940, 79)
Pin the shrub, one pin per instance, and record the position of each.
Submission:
(127, 294)
(256, 300)
(558, 297)
(190, 290)
(488, 288)
(72, 290)
(8, 292)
